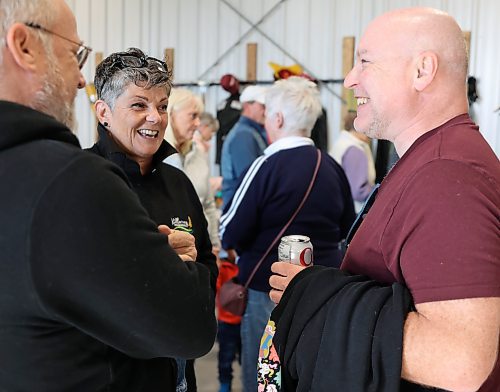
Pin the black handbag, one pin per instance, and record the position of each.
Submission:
(233, 295)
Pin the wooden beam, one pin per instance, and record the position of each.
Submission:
(251, 61)
(98, 58)
(467, 44)
(89, 87)
(168, 57)
(91, 94)
(348, 44)
(91, 91)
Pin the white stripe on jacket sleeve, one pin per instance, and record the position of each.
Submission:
(226, 218)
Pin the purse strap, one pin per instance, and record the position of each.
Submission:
(308, 191)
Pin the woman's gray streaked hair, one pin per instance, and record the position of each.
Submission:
(110, 83)
(41, 12)
(298, 99)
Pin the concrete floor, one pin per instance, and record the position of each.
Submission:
(207, 375)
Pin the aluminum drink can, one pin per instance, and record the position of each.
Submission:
(297, 249)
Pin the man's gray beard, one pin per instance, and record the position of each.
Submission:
(50, 98)
(377, 128)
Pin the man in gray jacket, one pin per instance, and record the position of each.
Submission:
(245, 142)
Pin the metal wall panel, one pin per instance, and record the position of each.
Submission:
(311, 31)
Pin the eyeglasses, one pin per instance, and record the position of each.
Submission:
(126, 60)
(81, 55)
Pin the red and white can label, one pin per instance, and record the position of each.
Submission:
(296, 249)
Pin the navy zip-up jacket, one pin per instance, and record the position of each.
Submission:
(268, 195)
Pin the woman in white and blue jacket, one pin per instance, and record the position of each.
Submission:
(270, 192)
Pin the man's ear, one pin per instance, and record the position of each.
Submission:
(279, 119)
(103, 112)
(22, 46)
(426, 68)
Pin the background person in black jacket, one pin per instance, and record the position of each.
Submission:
(133, 91)
(228, 111)
(92, 297)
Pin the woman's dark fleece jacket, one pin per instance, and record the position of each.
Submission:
(90, 291)
(166, 193)
(170, 199)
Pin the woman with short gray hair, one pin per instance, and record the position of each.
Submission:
(268, 196)
(133, 92)
(296, 101)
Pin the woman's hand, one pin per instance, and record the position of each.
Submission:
(183, 243)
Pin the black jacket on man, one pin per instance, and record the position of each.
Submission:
(89, 290)
(341, 332)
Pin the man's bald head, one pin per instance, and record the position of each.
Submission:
(410, 75)
(416, 30)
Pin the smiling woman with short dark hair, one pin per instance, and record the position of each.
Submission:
(133, 92)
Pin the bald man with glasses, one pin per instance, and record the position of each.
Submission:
(83, 51)
(85, 274)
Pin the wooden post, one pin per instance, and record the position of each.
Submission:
(169, 59)
(91, 92)
(467, 44)
(89, 87)
(347, 64)
(98, 58)
(251, 61)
